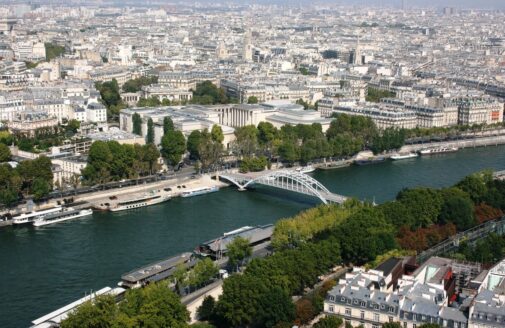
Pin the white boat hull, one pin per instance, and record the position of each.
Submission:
(139, 204)
(43, 222)
(401, 157)
(193, 193)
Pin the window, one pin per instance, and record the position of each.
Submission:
(414, 318)
(332, 298)
(375, 326)
(332, 309)
(376, 306)
(363, 304)
(342, 299)
(405, 324)
(347, 311)
(390, 319)
(392, 309)
(362, 314)
(376, 317)
(414, 325)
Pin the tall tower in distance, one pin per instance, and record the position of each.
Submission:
(247, 51)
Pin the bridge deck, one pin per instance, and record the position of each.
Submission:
(265, 179)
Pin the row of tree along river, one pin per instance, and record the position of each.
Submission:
(48, 267)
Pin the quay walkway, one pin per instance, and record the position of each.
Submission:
(290, 180)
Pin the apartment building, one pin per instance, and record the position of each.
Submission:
(384, 116)
(479, 111)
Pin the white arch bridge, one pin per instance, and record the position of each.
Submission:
(287, 180)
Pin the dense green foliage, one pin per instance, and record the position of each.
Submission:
(168, 125)
(30, 177)
(488, 250)
(330, 322)
(136, 85)
(252, 100)
(111, 161)
(208, 149)
(261, 295)
(253, 164)
(173, 146)
(375, 95)
(109, 91)
(150, 131)
(137, 124)
(207, 93)
(238, 251)
(5, 153)
(153, 306)
(205, 311)
(53, 50)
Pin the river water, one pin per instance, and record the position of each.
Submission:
(42, 269)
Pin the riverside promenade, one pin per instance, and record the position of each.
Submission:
(463, 143)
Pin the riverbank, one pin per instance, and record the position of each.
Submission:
(465, 143)
(51, 266)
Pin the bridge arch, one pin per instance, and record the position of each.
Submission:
(284, 179)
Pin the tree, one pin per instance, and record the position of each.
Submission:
(202, 272)
(40, 188)
(193, 143)
(252, 100)
(334, 322)
(135, 85)
(305, 311)
(217, 134)
(102, 312)
(457, 208)
(10, 184)
(426, 325)
(209, 151)
(73, 126)
(288, 152)
(205, 310)
(150, 131)
(152, 101)
(158, 306)
(173, 146)
(137, 124)
(392, 325)
(238, 250)
(423, 203)
(206, 93)
(5, 153)
(364, 235)
(275, 306)
(267, 133)
(53, 51)
(168, 124)
(475, 185)
(246, 141)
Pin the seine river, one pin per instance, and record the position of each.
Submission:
(42, 269)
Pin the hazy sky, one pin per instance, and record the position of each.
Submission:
(477, 4)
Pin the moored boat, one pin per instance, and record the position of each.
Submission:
(116, 204)
(306, 169)
(437, 150)
(31, 216)
(401, 156)
(65, 215)
(371, 160)
(199, 191)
